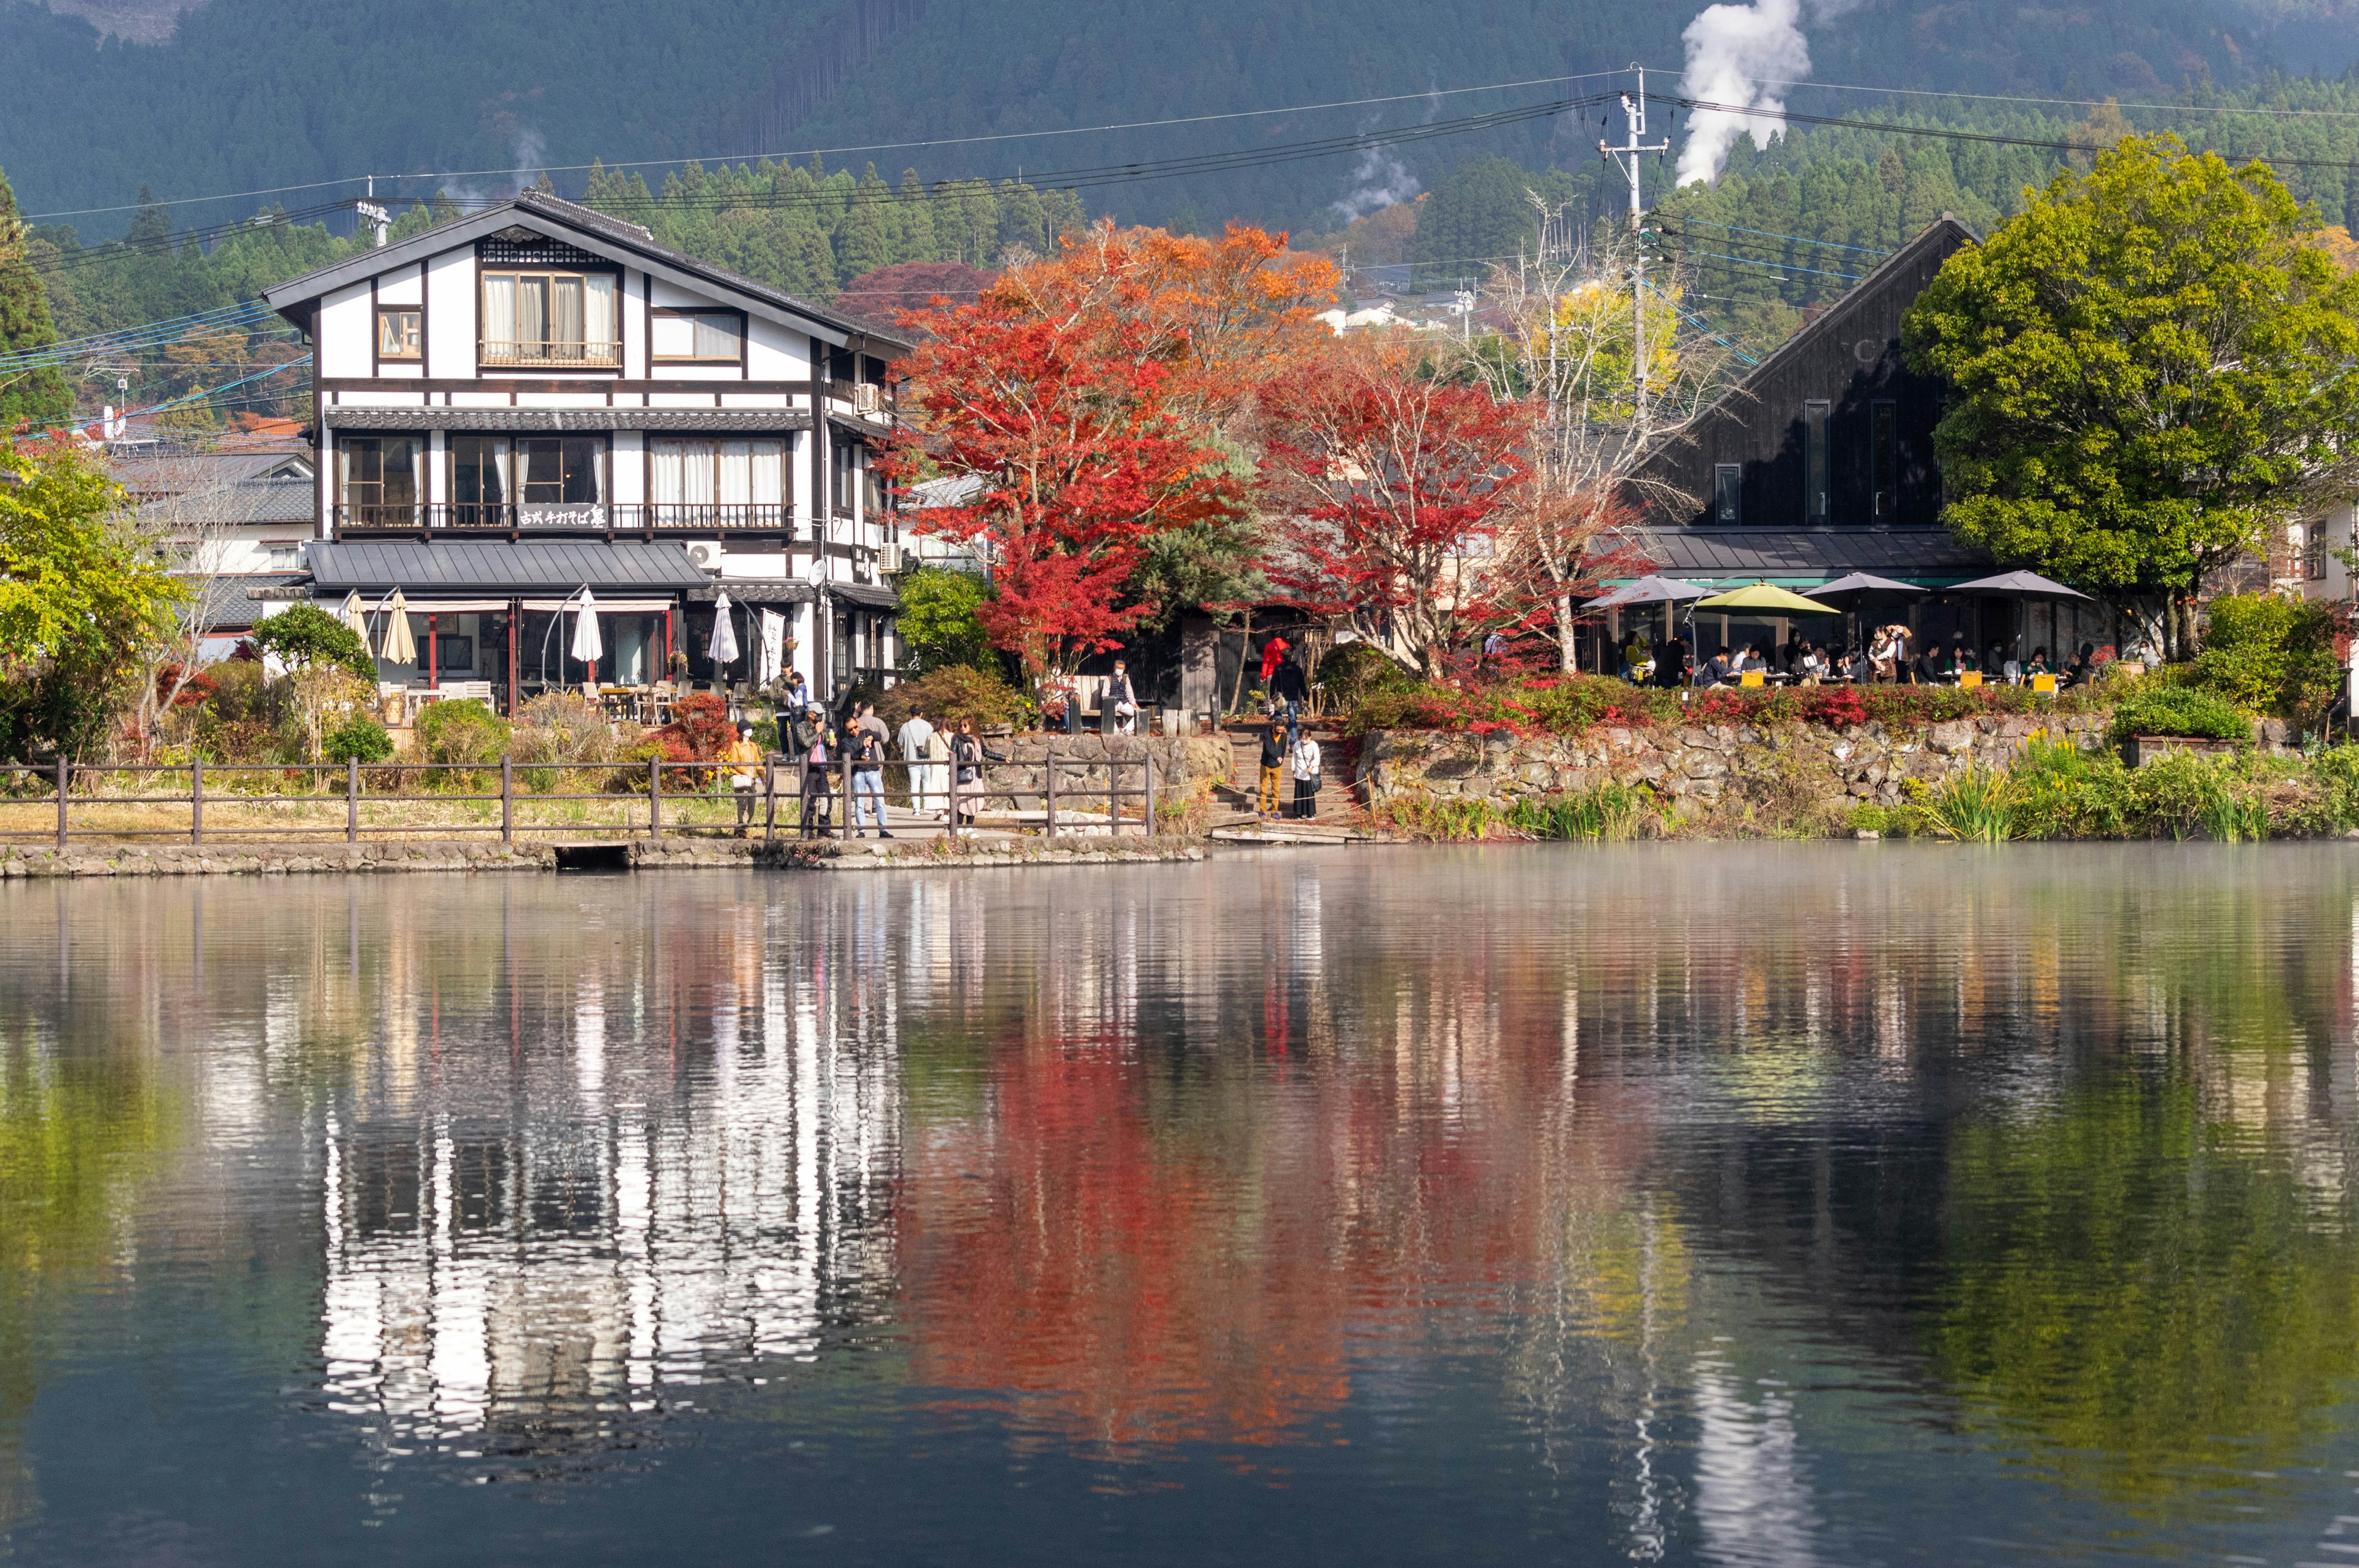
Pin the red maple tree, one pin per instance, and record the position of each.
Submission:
(1388, 492)
(1067, 422)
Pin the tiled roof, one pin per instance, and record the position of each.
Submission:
(342, 417)
(225, 602)
(240, 502)
(506, 567)
(1803, 558)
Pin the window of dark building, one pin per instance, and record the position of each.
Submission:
(1883, 447)
(1817, 503)
(1728, 494)
(558, 470)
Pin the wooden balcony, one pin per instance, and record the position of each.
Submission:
(574, 520)
(547, 355)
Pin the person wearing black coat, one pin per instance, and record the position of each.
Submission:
(1671, 663)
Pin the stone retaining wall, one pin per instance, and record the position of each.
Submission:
(1701, 767)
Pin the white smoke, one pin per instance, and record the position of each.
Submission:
(531, 157)
(1741, 56)
(1380, 180)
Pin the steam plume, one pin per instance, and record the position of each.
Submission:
(1380, 180)
(1731, 50)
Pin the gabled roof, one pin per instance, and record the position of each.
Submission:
(1944, 236)
(498, 565)
(600, 235)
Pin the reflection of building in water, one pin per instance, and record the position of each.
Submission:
(563, 1236)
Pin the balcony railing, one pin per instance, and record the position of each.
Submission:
(570, 517)
(545, 355)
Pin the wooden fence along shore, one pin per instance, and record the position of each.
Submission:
(204, 801)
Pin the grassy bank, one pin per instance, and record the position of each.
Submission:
(2052, 791)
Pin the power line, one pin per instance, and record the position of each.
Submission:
(1772, 234)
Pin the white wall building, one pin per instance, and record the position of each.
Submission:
(541, 376)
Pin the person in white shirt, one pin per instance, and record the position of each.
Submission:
(927, 794)
(1302, 761)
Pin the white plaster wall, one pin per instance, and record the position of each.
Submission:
(343, 338)
(451, 314)
(774, 352)
(404, 288)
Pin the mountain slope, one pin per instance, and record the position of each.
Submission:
(248, 93)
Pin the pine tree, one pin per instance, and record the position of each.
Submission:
(862, 247)
(1021, 222)
(917, 241)
(24, 394)
(805, 259)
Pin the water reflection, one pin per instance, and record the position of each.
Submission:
(1739, 1207)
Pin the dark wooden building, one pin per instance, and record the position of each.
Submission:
(1833, 430)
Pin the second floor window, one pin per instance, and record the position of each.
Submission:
(554, 319)
(698, 337)
(1728, 494)
(379, 474)
(397, 332)
(711, 472)
(849, 470)
(1817, 481)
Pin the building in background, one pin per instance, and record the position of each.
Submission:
(545, 379)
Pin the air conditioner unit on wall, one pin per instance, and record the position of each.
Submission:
(888, 558)
(866, 399)
(701, 555)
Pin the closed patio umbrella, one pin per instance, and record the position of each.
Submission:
(398, 647)
(354, 616)
(722, 649)
(588, 646)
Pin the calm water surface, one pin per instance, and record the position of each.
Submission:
(1849, 1205)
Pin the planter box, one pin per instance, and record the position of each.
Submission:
(2145, 748)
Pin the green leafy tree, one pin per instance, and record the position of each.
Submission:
(938, 619)
(865, 245)
(82, 598)
(2150, 369)
(304, 636)
(2272, 655)
(29, 393)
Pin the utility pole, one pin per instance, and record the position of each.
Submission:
(1629, 156)
(372, 213)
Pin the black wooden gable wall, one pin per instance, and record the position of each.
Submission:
(1849, 359)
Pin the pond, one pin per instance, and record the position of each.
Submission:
(1727, 1204)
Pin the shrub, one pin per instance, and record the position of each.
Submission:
(699, 728)
(948, 695)
(464, 732)
(2271, 655)
(1457, 820)
(2179, 710)
(358, 739)
(1356, 671)
(304, 636)
(2060, 790)
(938, 621)
(556, 731)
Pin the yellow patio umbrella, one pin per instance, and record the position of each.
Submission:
(1763, 599)
(354, 617)
(398, 647)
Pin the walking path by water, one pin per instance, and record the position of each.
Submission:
(1726, 1204)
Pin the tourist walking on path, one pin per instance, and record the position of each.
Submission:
(1289, 686)
(968, 755)
(743, 757)
(1121, 703)
(916, 735)
(867, 752)
(1273, 765)
(1303, 763)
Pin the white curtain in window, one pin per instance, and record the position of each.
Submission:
(499, 310)
(735, 478)
(598, 310)
(667, 480)
(767, 461)
(696, 472)
(674, 337)
(716, 337)
(502, 457)
(565, 311)
(532, 314)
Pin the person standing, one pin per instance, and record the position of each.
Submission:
(866, 750)
(1303, 763)
(818, 804)
(1121, 702)
(1289, 686)
(1273, 764)
(743, 758)
(798, 696)
(917, 735)
(1671, 663)
(968, 756)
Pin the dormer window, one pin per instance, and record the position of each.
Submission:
(550, 319)
(398, 332)
(698, 337)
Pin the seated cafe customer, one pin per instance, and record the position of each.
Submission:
(1716, 669)
(1671, 663)
(1930, 667)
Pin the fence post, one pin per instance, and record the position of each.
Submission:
(1150, 795)
(507, 799)
(843, 761)
(655, 797)
(953, 797)
(1113, 797)
(196, 800)
(65, 780)
(352, 800)
(770, 796)
(1052, 792)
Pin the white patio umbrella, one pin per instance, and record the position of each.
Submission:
(354, 616)
(722, 649)
(588, 647)
(398, 647)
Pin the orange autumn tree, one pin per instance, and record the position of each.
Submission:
(1089, 394)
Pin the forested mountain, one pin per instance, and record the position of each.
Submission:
(250, 94)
